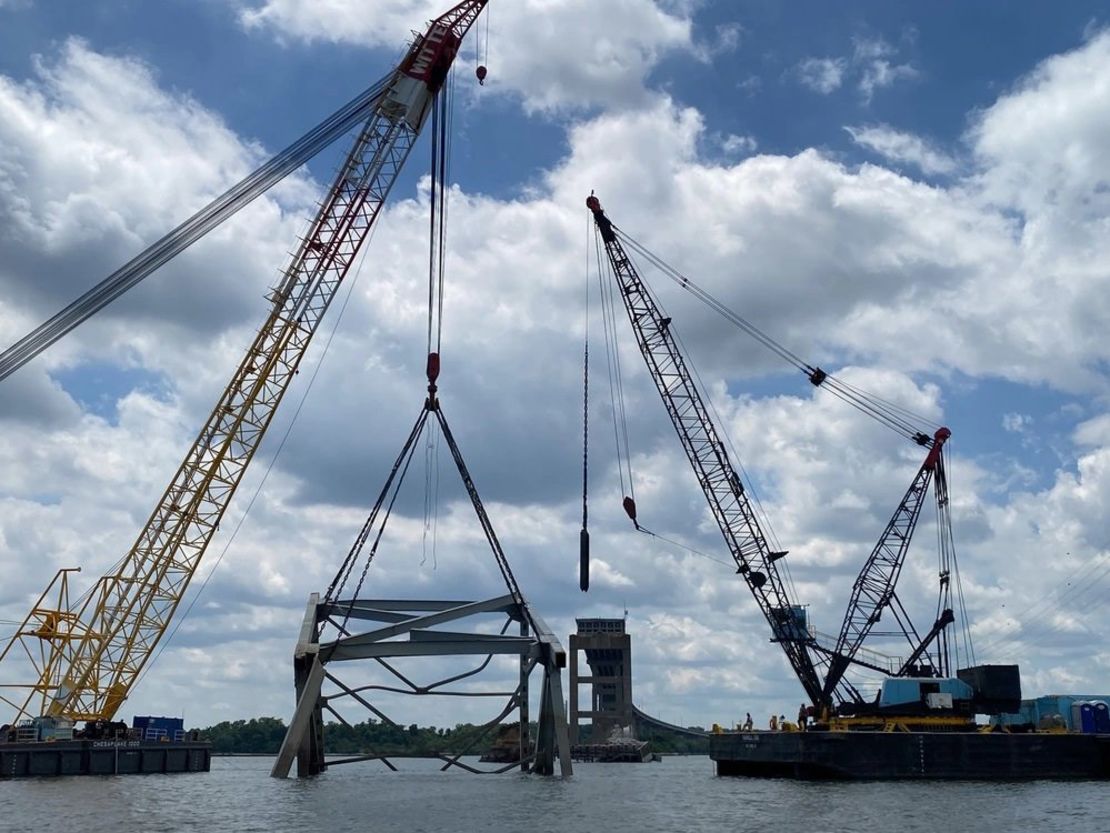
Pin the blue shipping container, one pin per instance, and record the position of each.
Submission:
(157, 728)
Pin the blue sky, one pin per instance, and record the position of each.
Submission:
(911, 196)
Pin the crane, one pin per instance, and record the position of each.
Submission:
(97, 652)
(716, 474)
(873, 591)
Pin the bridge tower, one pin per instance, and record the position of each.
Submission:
(608, 650)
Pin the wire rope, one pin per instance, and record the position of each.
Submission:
(896, 417)
(181, 617)
(180, 238)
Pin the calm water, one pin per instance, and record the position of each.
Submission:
(679, 794)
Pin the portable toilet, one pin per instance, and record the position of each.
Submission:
(1083, 717)
(1102, 717)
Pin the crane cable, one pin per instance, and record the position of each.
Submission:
(1083, 582)
(180, 618)
(180, 238)
(440, 182)
(766, 526)
(612, 362)
(900, 419)
(584, 534)
(617, 396)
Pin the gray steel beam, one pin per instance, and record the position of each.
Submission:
(437, 618)
(512, 645)
(299, 726)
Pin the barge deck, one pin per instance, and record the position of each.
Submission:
(994, 756)
(102, 757)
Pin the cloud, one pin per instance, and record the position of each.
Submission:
(555, 56)
(726, 39)
(74, 210)
(822, 75)
(733, 144)
(895, 284)
(1016, 423)
(871, 64)
(1040, 146)
(898, 146)
(877, 70)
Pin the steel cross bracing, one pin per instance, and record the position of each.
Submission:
(714, 471)
(873, 590)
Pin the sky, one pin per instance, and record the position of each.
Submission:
(914, 198)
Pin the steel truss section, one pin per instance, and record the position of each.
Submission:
(401, 629)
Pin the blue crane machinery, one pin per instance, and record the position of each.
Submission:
(89, 658)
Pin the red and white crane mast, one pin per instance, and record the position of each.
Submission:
(96, 659)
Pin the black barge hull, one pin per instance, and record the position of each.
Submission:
(102, 757)
(910, 755)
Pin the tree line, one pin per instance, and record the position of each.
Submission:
(263, 735)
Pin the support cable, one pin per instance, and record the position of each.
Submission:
(722, 427)
(176, 241)
(400, 467)
(896, 417)
(584, 535)
(181, 617)
(608, 328)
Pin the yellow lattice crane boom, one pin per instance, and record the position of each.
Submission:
(96, 653)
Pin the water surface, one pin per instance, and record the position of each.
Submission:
(679, 794)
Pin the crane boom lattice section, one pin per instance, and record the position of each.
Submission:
(873, 590)
(129, 610)
(95, 660)
(715, 473)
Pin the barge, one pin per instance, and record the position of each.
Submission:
(46, 746)
(103, 757)
(992, 756)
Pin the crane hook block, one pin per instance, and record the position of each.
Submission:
(584, 560)
(756, 579)
(481, 72)
(630, 509)
(433, 367)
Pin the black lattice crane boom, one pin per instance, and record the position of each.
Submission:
(718, 478)
(91, 671)
(874, 589)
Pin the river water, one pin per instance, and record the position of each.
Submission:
(679, 794)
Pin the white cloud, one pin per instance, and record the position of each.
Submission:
(726, 39)
(878, 275)
(733, 144)
(898, 146)
(1040, 146)
(822, 75)
(555, 54)
(871, 64)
